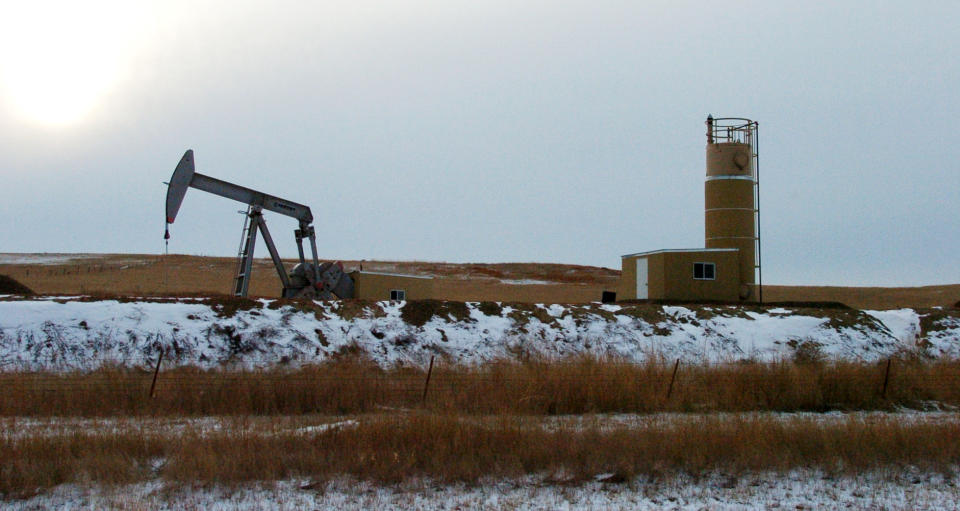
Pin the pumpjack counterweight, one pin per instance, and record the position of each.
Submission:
(308, 279)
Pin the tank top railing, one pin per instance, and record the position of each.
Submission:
(730, 129)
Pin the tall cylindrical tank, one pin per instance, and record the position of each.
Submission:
(730, 205)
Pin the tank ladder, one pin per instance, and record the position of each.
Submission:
(758, 266)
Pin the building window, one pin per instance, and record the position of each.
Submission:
(704, 271)
(398, 294)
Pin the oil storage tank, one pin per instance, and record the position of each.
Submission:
(731, 213)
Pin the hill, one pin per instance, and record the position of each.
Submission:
(182, 275)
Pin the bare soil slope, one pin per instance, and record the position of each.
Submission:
(11, 286)
(184, 275)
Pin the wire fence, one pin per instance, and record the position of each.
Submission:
(563, 388)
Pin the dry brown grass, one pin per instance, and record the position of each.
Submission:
(572, 386)
(393, 448)
(182, 275)
(446, 448)
(487, 421)
(29, 465)
(138, 274)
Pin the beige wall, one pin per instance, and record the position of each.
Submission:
(377, 286)
(729, 203)
(670, 276)
(728, 193)
(679, 283)
(729, 159)
(469, 290)
(628, 277)
(627, 290)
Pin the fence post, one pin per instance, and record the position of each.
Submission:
(672, 378)
(886, 377)
(426, 384)
(156, 371)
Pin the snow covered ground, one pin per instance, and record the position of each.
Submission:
(65, 334)
(44, 259)
(19, 428)
(526, 282)
(801, 489)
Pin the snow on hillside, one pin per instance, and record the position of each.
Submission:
(65, 334)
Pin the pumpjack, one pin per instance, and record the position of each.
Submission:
(308, 279)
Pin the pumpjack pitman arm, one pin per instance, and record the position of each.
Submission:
(321, 280)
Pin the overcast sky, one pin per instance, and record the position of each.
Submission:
(550, 131)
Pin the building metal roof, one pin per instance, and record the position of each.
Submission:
(393, 274)
(668, 250)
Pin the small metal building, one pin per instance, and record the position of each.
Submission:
(681, 274)
(370, 285)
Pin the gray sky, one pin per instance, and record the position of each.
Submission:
(551, 131)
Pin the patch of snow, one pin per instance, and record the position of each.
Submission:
(616, 421)
(526, 282)
(322, 428)
(44, 259)
(556, 310)
(18, 428)
(903, 324)
(796, 489)
(943, 339)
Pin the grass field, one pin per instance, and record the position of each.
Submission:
(397, 447)
(133, 274)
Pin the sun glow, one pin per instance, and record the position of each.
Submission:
(60, 59)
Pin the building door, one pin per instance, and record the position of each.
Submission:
(642, 293)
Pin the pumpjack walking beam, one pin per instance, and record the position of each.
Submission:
(185, 176)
